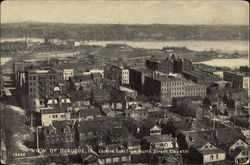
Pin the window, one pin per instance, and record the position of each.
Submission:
(54, 116)
(217, 156)
(211, 157)
(62, 116)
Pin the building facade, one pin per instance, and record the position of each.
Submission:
(119, 74)
(164, 88)
(67, 73)
(239, 80)
(40, 85)
(169, 65)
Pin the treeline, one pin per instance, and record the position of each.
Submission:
(125, 32)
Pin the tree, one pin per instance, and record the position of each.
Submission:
(11, 123)
(207, 101)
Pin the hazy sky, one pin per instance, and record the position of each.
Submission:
(127, 12)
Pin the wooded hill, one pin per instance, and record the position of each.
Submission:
(125, 32)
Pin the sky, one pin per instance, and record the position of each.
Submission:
(127, 12)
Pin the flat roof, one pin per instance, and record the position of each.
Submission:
(158, 138)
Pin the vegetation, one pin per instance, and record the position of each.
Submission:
(125, 32)
(12, 122)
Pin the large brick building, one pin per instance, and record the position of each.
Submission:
(40, 84)
(199, 76)
(169, 65)
(119, 74)
(164, 88)
(239, 80)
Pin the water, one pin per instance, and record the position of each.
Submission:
(231, 63)
(224, 46)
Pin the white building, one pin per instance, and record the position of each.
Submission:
(49, 114)
(101, 71)
(67, 73)
(219, 73)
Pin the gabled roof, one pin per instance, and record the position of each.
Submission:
(238, 150)
(227, 136)
(211, 151)
(59, 127)
(182, 125)
(194, 140)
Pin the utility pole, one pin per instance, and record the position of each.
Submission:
(235, 111)
(37, 138)
(213, 120)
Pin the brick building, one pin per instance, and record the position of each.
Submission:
(119, 74)
(239, 80)
(40, 84)
(169, 65)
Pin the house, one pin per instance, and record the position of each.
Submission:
(238, 151)
(159, 142)
(50, 114)
(114, 154)
(100, 95)
(201, 150)
(241, 155)
(90, 130)
(87, 114)
(176, 127)
(156, 130)
(139, 114)
(97, 77)
(109, 154)
(170, 159)
(60, 134)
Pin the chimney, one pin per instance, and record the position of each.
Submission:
(60, 101)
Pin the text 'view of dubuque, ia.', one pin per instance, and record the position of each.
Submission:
(123, 82)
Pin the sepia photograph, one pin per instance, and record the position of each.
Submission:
(125, 82)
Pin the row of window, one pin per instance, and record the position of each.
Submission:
(168, 89)
(32, 89)
(212, 157)
(173, 84)
(57, 116)
(32, 77)
(31, 84)
(110, 160)
(33, 96)
(57, 138)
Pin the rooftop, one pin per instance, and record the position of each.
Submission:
(122, 88)
(89, 112)
(55, 109)
(158, 138)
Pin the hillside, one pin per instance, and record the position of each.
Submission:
(125, 32)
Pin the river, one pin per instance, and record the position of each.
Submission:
(223, 46)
